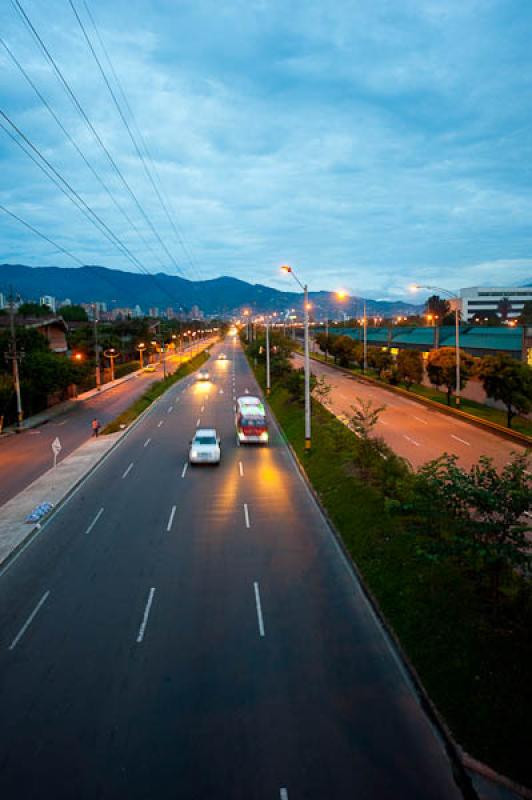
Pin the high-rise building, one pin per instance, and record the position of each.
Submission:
(153, 312)
(48, 300)
(2, 301)
(507, 303)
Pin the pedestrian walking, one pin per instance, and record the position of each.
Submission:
(95, 427)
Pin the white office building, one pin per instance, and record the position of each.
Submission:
(48, 300)
(477, 300)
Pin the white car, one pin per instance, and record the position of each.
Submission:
(203, 375)
(222, 357)
(205, 447)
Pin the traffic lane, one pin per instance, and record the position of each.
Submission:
(81, 655)
(415, 432)
(24, 457)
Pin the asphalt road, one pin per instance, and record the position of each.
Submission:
(25, 456)
(412, 430)
(179, 632)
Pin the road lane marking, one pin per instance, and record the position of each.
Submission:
(198, 422)
(171, 519)
(221, 391)
(160, 423)
(184, 469)
(202, 409)
(128, 470)
(146, 443)
(283, 794)
(259, 608)
(95, 520)
(412, 441)
(241, 468)
(424, 421)
(246, 514)
(28, 622)
(170, 409)
(144, 622)
(463, 441)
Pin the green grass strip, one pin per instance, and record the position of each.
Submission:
(473, 659)
(156, 390)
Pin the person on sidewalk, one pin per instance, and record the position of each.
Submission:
(95, 427)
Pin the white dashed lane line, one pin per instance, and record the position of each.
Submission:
(171, 519)
(198, 422)
(95, 520)
(128, 470)
(246, 515)
(171, 408)
(241, 469)
(412, 441)
(259, 608)
(144, 622)
(423, 421)
(146, 443)
(463, 441)
(184, 470)
(160, 423)
(30, 619)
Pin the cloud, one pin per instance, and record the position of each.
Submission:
(372, 144)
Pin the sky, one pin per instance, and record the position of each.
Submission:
(371, 144)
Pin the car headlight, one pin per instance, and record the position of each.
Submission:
(264, 436)
(194, 454)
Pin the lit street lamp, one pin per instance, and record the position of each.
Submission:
(111, 354)
(141, 348)
(306, 305)
(454, 297)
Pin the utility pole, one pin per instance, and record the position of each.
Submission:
(14, 356)
(365, 339)
(97, 349)
(268, 383)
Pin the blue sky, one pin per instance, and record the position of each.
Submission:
(370, 145)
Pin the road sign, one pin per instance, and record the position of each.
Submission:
(56, 446)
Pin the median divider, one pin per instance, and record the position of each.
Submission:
(492, 427)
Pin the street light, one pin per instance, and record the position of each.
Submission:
(455, 297)
(111, 354)
(286, 268)
(141, 348)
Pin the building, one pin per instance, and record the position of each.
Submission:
(52, 327)
(478, 300)
(48, 300)
(2, 301)
(153, 312)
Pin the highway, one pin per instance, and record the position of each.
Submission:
(25, 456)
(178, 632)
(411, 429)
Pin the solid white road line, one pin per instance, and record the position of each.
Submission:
(144, 622)
(259, 609)
(160, 423)
(412, 441)
(463, 441)
(171, 518)
(241, 468)
(28, 622)
(424, 421)
(283, 794)
(146, 443)
(184, 470)
(128, 470)
(95, 520)
(246, 514)
(198, 422)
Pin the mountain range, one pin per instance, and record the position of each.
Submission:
(218, 296)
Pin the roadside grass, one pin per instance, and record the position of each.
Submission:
(156, 390)
(519, 424)
(473, 659)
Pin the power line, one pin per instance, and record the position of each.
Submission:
(77, 148)
(122, 115)
(38, 233)
(81, 111)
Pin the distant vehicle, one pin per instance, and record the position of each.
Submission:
(150, 368)
(203, 375)
(251, 423)
(222, 357)
(205, 447)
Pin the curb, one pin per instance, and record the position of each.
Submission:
(492, 427)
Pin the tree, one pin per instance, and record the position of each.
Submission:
(438, 306)
(525, 317)
(480, 513)
(441, 369)
(322, 390)
(343, 350)
(34, 310)
(504, 307)
(508, 380)
(365, 416)
(73, 313)
(487, 318)
(410, 367)
(379, 359)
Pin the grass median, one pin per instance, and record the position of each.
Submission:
(472, 658)
(156, 390)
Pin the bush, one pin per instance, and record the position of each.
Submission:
(125, 369)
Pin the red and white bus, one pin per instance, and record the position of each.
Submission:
(251, 423)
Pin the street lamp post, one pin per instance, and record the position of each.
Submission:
(111, 354)
(268, 383)
(141, 348)
(456, 334)
(365, 339)
(288, 269)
